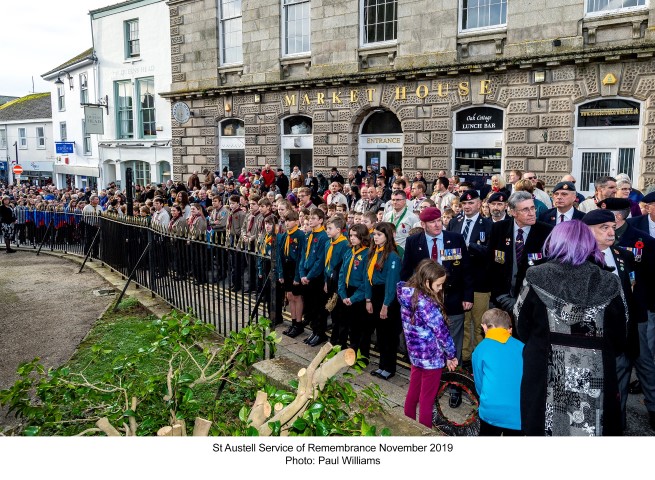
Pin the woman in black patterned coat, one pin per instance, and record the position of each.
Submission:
(571, 314)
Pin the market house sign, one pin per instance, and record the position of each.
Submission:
(614, 112)
(402, 93)
(479, 119)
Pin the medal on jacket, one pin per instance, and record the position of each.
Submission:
(483, 237)
(499, 256)
(508, 241)
(534, 257)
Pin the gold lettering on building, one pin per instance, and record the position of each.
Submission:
(485, 87)
(440, 90)
(401, 93)
(354, 96)
(370, 92)
(320, 98)
(464, 89)
(306, 100)
(383, 140)
(290, 100)
(422, 91)
(335, 98)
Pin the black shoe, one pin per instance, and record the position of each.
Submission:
(386, 375)
(310, 338)
(377, 373)
(305, 322)
(455, 399)
(635, 388)
(297, 330)
(11, 250)
(288, 330)
(318, 340)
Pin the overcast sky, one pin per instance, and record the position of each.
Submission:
(37, 36)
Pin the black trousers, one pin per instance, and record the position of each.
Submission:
(387, 330)
(314, 301)
(355, 321)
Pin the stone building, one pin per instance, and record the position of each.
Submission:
(474, 88)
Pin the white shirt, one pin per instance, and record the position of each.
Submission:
(526, 231)
(161, 217)
(568, 216)
(443, 200)
(609, 260)
(651, 227)
(543, 197)
(337, 198)
(471, 221)
(403, 223)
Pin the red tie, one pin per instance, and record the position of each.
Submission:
(435, 251)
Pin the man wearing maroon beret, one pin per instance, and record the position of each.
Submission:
(448, 249)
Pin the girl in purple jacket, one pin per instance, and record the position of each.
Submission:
(429, 344)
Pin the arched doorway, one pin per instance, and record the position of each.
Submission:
(297, 143)
(381, 141)
(232, 145)
(607, 139)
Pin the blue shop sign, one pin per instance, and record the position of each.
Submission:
(64, 147)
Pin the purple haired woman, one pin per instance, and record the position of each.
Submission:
(571, 314)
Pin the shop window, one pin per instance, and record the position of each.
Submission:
(609, 6)
(483, 13)
(380, 21)
(382, 123)
(132, 47)
(231, 32)
(298, 126)
(140, 172)
(296, 25)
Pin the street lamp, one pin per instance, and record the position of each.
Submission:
(59, 81)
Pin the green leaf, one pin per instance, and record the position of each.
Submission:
(243, 414)
(31, 431)
(316, 408)
(186, 330)
(300, 424)
(129, 413)
(321, 429)
(186, 378)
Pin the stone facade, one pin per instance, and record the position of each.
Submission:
(429, 74)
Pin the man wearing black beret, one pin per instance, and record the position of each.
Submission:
(498, 206)
(646, 223)
(564, 196)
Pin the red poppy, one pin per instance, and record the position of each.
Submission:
(639, 244)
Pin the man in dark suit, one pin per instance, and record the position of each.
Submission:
(646, 223)
(476, 231)
(515, 245)
(642, 247)
(564, 196)
(448, 249)
(602, 223)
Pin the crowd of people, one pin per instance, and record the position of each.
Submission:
(546, 298)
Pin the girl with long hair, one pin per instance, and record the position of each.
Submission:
(352, 289)
(383, 274)
(429, 344)
(182, 200)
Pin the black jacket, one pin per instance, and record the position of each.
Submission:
(644, 264)
(478, 250)
(640, 223)
(282, 182)
(459, 282)
(500, 265)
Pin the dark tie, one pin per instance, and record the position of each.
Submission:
(519, 245)
(435, 251)
(465, 232)
(561, 218)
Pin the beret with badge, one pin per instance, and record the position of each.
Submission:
(429, 214)
(568, 186)
(469, 195)
(497, 197)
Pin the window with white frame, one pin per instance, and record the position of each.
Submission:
(3, 138)
(132, 48)
(86, 143)
(608, 6)
(140, 171)
(231, 32)
(146, 106)
(22, 138)
(380, 21)
(296, 26)
(61, 98)
(84, 88)
(63, 133)
(40, 138)
(123, 93)
(483, 14)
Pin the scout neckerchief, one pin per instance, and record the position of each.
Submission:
(352, 260)
(311, 238)
(374, 260)
(267, 239)
(288, 242)
(328, 256)
(402, 215)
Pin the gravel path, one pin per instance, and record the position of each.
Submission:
(46, 309)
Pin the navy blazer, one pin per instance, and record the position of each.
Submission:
(481, 231)
(459, 282)
(500, 265)
(640, 223)
(625, 263)
(644, 263)
(550, 216)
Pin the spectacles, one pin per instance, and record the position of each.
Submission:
(530, 178)
(527, 210)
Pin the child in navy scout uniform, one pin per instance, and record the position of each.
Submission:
(498, 370)
(265, 248)
(312, 279)
(289, 255)
(354, 317)
(334, 254)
